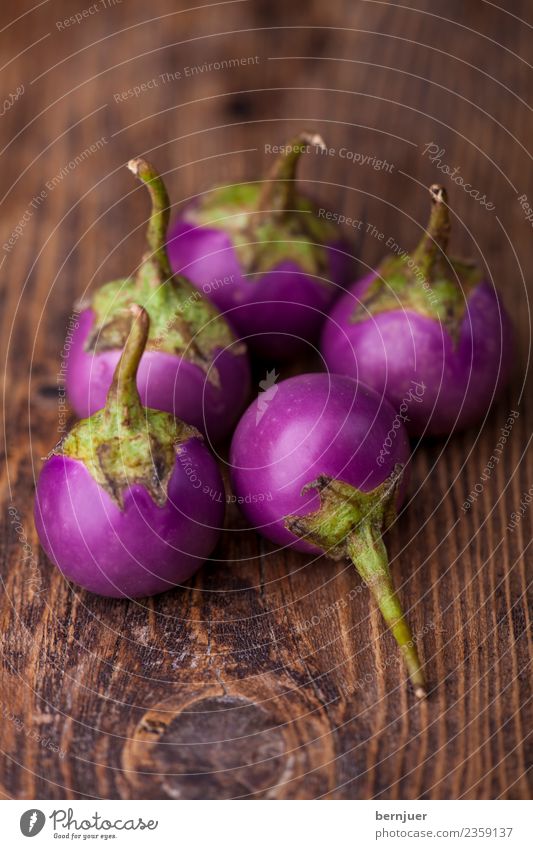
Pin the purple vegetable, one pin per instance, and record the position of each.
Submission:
(305, 470)
(426, 331)
(193, 365)
(131, 502)
(265, 255)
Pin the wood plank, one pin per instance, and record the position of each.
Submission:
(260, 678)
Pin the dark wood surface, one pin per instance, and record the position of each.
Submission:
(259, 679)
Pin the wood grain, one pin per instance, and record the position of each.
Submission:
(259, 679)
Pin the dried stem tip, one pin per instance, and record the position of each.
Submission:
(156, 234)
(278, 193)
(434, 243)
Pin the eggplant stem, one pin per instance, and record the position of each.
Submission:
(278, 193)
(123, 401)
(156, 234)
(434, 243)
(369, 556)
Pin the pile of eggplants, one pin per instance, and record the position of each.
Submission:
(132, 502)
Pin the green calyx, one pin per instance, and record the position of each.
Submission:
(125, 443)
(350, 524)
(268, 221)
(182, 321)
(426, 281)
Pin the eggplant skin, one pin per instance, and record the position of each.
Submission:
(394, 350)
(314, 426)
(142, 549)
(279, 312)
(165, 382)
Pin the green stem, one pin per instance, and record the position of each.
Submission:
(369, 555)
(278, 193)
(156, 234)
(434, 242)
(123, 403)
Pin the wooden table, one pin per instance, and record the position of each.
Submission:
(258, 680)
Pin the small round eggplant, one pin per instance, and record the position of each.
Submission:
(193, 366)
(131, 502)
(426, 331)
(305, 470)
(269, 259)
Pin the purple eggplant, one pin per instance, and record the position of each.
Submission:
(305, 469)
(266, 255)
(131, 502)
(426, 331)
(193, 366)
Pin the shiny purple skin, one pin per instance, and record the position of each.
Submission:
(315, 424)
(140, 550)
(165, 382)
(391, 350)
(278, 313)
